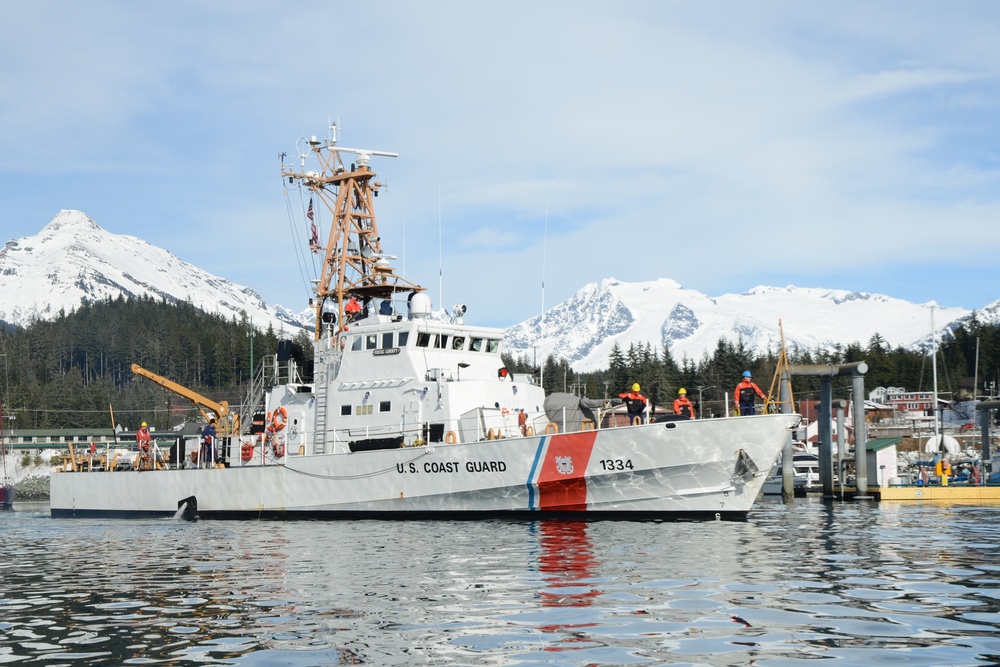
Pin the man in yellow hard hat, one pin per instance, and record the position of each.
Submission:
(683, 405)
(142, 438)
(635, 402)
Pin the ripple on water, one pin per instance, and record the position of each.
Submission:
(848, 584)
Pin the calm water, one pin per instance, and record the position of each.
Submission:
(848, 584)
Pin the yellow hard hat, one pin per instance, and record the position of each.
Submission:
(682, 390)
(143, 423)
(636, 387)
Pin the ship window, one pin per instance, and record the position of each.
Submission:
(345, 411)
(363, 410)
(423, 339)
(387, 341)
(476, 345)
(356, 344)
(403, 338)
(385, 406)
(458, 342)
(371, 342)
(492, 345)
(442, 342)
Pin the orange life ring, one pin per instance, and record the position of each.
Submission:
(280, 418)
(246, 451)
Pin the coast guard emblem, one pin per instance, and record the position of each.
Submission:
(564, 465)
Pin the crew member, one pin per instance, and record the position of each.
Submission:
(635, 402)
(745, 394)
(351, 309)
(208, 442)
(943, 470)
(683, 405)
(142, 438)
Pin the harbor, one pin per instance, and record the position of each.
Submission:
(858, 583)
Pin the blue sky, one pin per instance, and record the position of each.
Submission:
(850, 145)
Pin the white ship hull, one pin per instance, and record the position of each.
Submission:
(689, 469)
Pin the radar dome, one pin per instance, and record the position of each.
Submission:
(420, 305)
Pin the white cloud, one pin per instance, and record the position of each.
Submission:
(711, 143)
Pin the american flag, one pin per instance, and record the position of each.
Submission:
(314, 239)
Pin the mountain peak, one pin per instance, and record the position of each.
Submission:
(72, 260)
(68, 219)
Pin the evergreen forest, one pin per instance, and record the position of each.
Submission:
(73, 371)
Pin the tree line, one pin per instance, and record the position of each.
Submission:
(709, 379)
(71, 371)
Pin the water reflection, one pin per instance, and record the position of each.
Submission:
(852, 583)
(567, 558)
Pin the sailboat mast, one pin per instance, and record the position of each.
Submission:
(3, 450)
(937, 432)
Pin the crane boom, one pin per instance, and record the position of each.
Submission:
(229, 422)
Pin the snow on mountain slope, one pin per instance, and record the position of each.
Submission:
(73, 261)
(583, 329)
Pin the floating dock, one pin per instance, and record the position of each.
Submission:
(959, 493)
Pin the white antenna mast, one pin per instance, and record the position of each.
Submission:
(541, 325)
(440, 260)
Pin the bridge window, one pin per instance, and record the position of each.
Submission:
(371, 342)
(424, 339)
(458, 343)
(442, 342)
(476, 345)
(492, 345)
(385, 406)
(355, 343)
(403, 338)
(387, 341)
(345, 411)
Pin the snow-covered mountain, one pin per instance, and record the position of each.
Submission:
(73, 261)
(583, 329)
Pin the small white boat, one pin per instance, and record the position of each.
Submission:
(408, 415)
(805, 476)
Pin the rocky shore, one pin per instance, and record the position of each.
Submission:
(32, 488)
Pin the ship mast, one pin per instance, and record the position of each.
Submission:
(353, 263)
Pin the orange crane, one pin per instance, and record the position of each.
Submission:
(228, 422)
